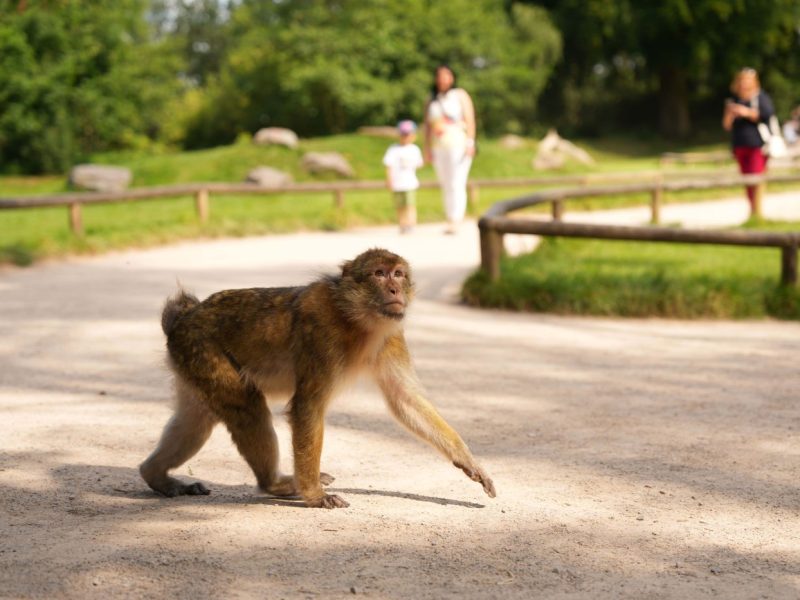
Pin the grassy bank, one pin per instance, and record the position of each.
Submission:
(26, 235)
(638, 279)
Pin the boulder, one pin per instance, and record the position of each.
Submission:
(554, 150)
(277, 136)
(268, 177)
(385, 131)
(547, 162)
(100, 178)
(327, 162)
(511, 142)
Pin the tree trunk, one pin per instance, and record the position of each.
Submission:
(673, 118)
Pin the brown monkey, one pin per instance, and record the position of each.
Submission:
(237, 347)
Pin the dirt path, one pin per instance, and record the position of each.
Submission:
(633, 458)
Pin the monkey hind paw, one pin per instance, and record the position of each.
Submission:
(282, 487)
(328, 501)
(176, 488)
(326, 479)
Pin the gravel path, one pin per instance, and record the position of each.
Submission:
(632, 458)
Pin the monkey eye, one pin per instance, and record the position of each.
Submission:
(399, 273)
(379, 273)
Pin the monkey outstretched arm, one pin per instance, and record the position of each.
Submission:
(398, 382)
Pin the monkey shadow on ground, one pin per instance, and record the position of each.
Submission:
(408, 496)
(125, 482)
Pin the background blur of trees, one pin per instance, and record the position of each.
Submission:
(665, 65)
(82, 76)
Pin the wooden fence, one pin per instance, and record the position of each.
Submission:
(495, 222)
(202, 191)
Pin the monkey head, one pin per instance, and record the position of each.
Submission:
(377, 282)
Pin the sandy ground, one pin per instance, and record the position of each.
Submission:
(632, 458)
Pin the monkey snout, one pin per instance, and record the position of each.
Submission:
(394, 294)
(394, 304)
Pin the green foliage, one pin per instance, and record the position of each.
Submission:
(638, 279)
(194, 29)
(78, 77)
(321, 66)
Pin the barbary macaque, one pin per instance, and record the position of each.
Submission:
(238, 347)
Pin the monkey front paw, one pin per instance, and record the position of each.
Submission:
(328, 501)
(284, 485)
(475, 473)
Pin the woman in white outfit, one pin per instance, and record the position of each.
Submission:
(450, 142)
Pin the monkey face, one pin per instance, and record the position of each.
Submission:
(380, 282)
(390, 281)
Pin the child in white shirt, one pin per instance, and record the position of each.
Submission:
(402, 161)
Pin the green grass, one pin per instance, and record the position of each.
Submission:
(26, 235)
(639, 279)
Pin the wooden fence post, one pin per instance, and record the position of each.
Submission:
(201, 205)
(338, 198)
(789, 265)
(75, 218)
(655, 205)
(491, 251)
(557, 209)
(473, 194)
(758, 199)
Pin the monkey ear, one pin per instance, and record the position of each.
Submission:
(347, 268)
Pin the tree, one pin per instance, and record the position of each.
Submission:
(326, 66)
(75, 78)
(679, 50)
(199, 31)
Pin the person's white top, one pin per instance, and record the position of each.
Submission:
(447, 106)
(446, 119)
(403, 161)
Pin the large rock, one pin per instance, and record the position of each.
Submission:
(547, 162)
(276, 135)
(100, 178)
(385, 131)
(268, 177)
(512, 142)
(327, 162)
(554, 150)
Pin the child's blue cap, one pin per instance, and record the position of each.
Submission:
(406, 127)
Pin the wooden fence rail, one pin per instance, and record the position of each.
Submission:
(202, 191)
(494, 223)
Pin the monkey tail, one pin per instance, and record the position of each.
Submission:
(175, 308)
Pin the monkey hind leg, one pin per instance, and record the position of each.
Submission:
(249, 421)
(185, 433)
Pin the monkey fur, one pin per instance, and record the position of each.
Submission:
(238, 347)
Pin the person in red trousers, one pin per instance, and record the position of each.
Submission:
(744, 110)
